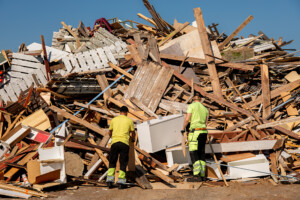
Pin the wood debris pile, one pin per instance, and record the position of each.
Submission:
(58, 101)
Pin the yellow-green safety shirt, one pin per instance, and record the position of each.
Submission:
(121, 126)
(199, 115)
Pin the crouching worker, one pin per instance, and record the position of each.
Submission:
(119, 130)
(197, 115)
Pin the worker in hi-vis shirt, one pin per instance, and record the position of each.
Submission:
(119, 130)
(197, 115)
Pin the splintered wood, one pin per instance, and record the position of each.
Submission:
(65, 98)
(148, 84)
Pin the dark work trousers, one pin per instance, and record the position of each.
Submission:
(119, 148)
(200, 153)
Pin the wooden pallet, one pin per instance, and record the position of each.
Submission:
(148, 84)
(93, 59)
(25, 71)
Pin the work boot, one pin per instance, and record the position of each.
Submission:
(194, 179)
(110, 184)
(204, 179)
(122, 186)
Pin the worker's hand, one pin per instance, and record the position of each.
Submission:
(132, 140)
(182, 131)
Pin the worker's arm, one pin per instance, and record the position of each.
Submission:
(132, 137)
(206, 122)
(186, 120)
(110, 133)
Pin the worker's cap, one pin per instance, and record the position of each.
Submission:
(124, 109)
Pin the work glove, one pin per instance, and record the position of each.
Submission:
(182, 131)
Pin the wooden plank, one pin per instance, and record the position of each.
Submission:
(109, 55)
(102, 81)
(66, 61)
(88, 58)
(25, 57)
(276, 92)
(99, 152)
(102, 57)
(78, 120)
(135, 54)
(24, 63)
(96, 58)
(111, 113)
(235, 32)
(158, 91)
(120, 70)
(206, 46)
(289, 108)
(82, 62)
(265, 91)
(277, 123)
(173, 33)
(235, 157)
(72, 33)
(161, 176)
(133, 112)
(143, 107)
(76, 67)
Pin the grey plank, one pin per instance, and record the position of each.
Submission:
(27, 64)
(110, 56)
(103, 57)
(25, 57)
(96, 58)
(66, 61)
(82, 62)
(89, 60)
(4, 96)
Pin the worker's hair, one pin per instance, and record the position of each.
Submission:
(197, 97)
(124, 109)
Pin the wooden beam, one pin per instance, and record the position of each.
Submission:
(102, 81)
(120, 70)
(265, 90)
(277, 123)
(147, 19)
(206, 46)
(133, 112)
(78, 120)
(135, 54)
(173, 33)
(235, 32)
(99, 152)
(72, 33)
(143, 107)
(277, 92)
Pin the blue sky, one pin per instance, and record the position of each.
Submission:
(25, 21)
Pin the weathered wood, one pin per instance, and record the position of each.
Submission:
(206, 46)
(265, 91)
(72, 33)
(235, 32)
(277, 123)
(143, 107)
(276, 92)
(78, 120)
(120, 70)
(173, 33)
(99, 152)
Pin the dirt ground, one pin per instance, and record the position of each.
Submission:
(236, 191)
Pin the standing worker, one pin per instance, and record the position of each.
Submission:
(119, 130)
(197, 115)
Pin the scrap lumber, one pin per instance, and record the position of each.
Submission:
(172, 34)
(235, 32)
(277, 123)
(207, 50)
(276, 92)
(265, 90)
(78, 120)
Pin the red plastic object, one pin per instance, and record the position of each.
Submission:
(103, 21)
